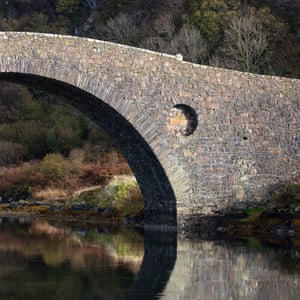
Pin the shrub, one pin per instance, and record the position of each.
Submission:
(55, 167)
(76, 157)
(122, 195)
(93, 152)
(128, 200)
(11, 153)
(64, 133)
(42, 126)
(30, 174)
(114, 157)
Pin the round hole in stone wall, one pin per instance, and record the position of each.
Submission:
(183, 119)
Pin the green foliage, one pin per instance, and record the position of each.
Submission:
(41, 127)
(13, 99)
(53, 166)
(275, 28)
(64, 133)
(253, 214)
(211, 18)
(122, 195)
(190, 6)
(28, 133)
(128, 200)
(254, 210)
(92, 152)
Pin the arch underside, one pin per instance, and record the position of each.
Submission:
(159, 199)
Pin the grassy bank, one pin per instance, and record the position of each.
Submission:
(104, 190)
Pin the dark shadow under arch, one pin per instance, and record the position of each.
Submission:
(159, 198)
(158, 262)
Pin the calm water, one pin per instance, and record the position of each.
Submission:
(43, 260)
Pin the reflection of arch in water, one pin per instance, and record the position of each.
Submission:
(158, 263)
(160, 202)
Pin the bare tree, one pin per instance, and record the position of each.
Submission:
(190, 43)
(164, 26)
(11, 153)
(121, 29)
(158, 34)
(246, 45)
(154, 43)
(8, 24)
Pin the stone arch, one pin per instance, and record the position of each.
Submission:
(122, 81)
(235, 139)
(159, 198)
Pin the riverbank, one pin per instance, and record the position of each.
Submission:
(256, 228)
(254, 222)
(103, 191)
(279, 218)
(58, 211)
(117, 203)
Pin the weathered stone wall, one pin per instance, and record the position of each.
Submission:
(247, 136)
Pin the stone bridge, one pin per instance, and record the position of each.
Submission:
(198, 139)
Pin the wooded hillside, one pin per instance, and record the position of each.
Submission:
(248, 35)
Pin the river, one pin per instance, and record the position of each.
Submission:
(50, 260)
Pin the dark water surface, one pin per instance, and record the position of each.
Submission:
(46, 260)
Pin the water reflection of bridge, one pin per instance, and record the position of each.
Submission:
(172, 268)
(219, 270)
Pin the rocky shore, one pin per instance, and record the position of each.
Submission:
(103, 191)
(117, 203)
(274, 227)
(278, 219)
(81, 212)
(255, 222)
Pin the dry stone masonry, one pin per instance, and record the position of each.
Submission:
(199, 139)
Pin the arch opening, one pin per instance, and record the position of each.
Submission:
(159, 198)
(183, 119)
